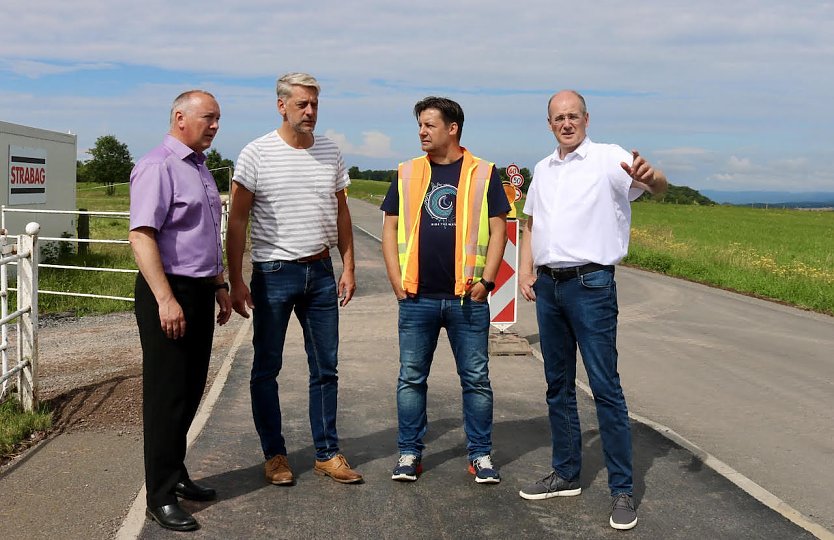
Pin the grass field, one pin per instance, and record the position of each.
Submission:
(93, 197)
(785, 255)
(371, 191)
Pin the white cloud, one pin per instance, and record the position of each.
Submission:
(374, 144)
(741, 165)
(34, 69)
(715, 92)
(682, 152)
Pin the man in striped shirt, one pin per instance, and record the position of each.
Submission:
(292, 183)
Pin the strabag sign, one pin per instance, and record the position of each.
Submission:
(27, 175)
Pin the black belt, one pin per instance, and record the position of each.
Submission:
(207, 281)
(564, 274)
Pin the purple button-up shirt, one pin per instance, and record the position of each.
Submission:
(173, 192)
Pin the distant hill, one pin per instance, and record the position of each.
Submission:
(678, 195)
(811, 199)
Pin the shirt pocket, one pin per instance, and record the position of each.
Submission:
(324, 181)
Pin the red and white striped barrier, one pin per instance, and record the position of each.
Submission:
(503, 301)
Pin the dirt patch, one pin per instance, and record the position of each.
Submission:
(90, 373)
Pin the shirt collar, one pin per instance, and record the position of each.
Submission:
(580, 152)
(182, 151)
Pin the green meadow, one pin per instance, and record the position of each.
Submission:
(91, 196)
(784, 255)
(371, 191)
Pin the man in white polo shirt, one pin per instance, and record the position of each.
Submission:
(578, 229)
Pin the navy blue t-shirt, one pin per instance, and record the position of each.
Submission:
(437, 225)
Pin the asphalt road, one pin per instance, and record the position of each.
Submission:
(748, 381)
(666, 327)
(745, 382)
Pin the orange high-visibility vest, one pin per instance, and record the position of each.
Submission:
(471, 219)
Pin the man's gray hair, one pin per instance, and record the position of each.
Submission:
(182, 102)
(284, 85)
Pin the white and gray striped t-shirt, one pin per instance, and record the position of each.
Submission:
(294, 208)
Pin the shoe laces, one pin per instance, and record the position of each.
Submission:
(550, 480)
(483, 462)
(406, 460)
(623, 500)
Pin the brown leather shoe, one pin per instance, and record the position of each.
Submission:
(278, 471)
(338, 469)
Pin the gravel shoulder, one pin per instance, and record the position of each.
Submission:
(81, 477)
(91, 370)
(87, 470)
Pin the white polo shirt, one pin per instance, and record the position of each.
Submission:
(581, 206)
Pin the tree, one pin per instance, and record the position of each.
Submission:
(221, 169)
(370, 174)
(81, 171)
(111, 163)
(678, 195)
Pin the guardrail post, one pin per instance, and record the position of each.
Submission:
(83, 231)
(225, 204)
(27, 328)
(4, 310)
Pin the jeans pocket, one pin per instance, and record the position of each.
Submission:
(327, 264)
(601, 279)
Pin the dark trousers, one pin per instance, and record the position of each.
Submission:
(173, 379)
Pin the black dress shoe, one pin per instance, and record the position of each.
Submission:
(186, 489)
(171, 516)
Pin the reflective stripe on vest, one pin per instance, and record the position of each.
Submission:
(471, 219)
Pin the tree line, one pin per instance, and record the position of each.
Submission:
(678, 195)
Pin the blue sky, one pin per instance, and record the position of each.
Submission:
(721, 95)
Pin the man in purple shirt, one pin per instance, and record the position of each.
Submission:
(175, 236)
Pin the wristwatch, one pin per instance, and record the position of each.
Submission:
(488, 285)
(219, 286)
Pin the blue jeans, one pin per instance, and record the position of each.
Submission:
(278, 288)
(583, 311)
(467, 325)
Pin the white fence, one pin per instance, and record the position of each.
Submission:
(20, 370)
(121, 215)
(24, 254)
(224, 218)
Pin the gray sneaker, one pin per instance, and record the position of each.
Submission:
(623, 514)
(551, 485)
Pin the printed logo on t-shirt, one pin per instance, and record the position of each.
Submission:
(440, 205)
